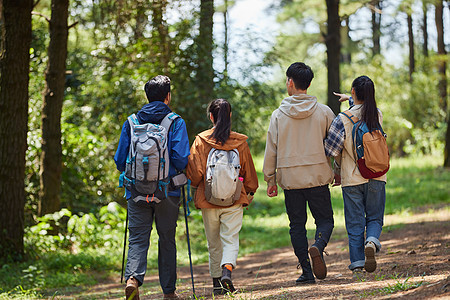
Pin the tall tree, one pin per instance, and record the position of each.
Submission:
(333, 43)
(14, 77)
(51, 157)
(162, 32)
(442, 66)
(376, 7)
(425, 27)
(205, 42)
(412, 60)
(225, 42)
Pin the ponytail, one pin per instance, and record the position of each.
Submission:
(220, 110)
(365, 92)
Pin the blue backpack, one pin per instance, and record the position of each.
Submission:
(146, 173)
(371, 149)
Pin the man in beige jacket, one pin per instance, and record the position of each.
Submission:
(295, 160)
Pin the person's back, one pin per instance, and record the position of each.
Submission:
(301, 125)
(295, 159)
(143, 210)
(222, 221)
(364, 199)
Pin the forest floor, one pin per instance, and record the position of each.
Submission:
(414, 263)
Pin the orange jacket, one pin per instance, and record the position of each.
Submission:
(196, 168)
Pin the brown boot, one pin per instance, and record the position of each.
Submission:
(171, 296)
(131, 290)
(318, 264)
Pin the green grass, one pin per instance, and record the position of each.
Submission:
(401, 284)
(413, 183)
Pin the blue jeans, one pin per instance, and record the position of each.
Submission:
(319, 202)
(364, 212)
(140, 219)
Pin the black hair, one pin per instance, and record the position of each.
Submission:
(301, 74)
(221, 111)
(157, 88)
(365, 92)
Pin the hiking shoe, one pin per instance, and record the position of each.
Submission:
(370, 264)
(307, 275)
(305, 278)
(226, 279)
(171, 296)
(217, 287)
(358, 273)
(132, 290)
(318, 264)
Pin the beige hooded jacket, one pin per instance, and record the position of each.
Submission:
(295, 156)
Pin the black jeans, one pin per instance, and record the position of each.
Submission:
(319, 202)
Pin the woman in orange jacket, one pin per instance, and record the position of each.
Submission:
(222, 223)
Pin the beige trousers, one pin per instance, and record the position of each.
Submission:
(222, 226)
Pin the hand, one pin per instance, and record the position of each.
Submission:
(337, 180)
(342, 97)
(272, 191)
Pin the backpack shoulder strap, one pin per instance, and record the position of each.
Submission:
(350, 116)
(133, 120)
(168, 120)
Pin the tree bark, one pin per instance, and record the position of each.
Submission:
(225, 43)
(51, 158)
(159, 9)
(376, 26)
(425, 28)
(442, 84)
(205, 74)
(333, 43)
(346, 42)
(14, 77)
(412, 61)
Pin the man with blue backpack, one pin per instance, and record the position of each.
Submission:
(153, 148)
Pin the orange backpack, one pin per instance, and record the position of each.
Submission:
(371, 149)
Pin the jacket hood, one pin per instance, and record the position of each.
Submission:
(298, 106)
(153, 112)
(234, 141)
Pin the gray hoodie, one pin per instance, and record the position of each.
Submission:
(294, 156)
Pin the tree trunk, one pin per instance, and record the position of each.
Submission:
(442, 62)
(412, 64)
(376, 26)
(425, 28)
(51, 158)
(346, 42)
(333, 43)
(205, 73)
(159, 9)
(442, 84)
(141, 19)
(225, 43)
(14, 77)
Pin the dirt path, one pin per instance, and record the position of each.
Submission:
(417, 254)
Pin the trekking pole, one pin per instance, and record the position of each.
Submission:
(124, 246)
(188, 241)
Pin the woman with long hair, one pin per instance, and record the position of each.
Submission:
(364, 199)
(222, 221)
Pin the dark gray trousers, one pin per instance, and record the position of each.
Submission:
(140, 220)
